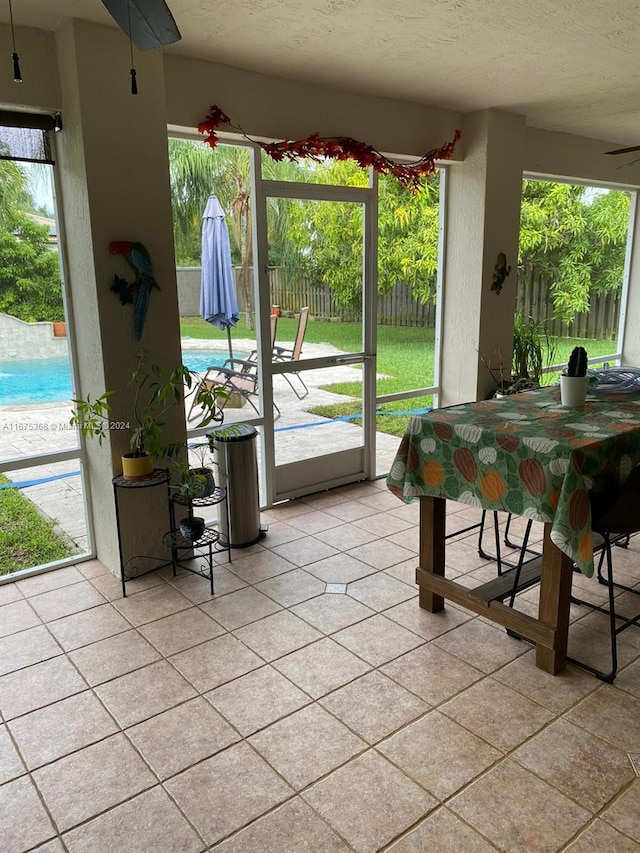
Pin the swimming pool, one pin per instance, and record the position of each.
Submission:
(48, 380)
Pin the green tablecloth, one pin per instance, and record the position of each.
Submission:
(526, 454)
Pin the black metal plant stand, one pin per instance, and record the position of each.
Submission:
(158, 477)
(212, 541)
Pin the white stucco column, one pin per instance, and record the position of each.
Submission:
(483, 218)
(113, 162)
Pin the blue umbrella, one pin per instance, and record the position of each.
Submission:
(218, 303)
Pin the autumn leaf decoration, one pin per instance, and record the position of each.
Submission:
(316, 148)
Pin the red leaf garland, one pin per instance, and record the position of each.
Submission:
(338, 148)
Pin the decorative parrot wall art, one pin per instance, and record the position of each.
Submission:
(138, 291)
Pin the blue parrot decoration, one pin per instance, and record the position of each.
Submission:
(138, 291)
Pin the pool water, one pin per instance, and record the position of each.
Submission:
(48, 380)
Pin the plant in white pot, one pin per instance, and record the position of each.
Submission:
(154, 397)
(574, 380)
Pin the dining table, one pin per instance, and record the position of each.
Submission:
(528, 455)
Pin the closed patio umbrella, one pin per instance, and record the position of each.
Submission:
(218, 303)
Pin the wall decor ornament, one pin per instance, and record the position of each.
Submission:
(136, 292)
(317, 147)
(500, 272)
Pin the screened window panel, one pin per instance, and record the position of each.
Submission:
(29, 144)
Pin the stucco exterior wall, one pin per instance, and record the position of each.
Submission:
(20, 341)
(189, 291)
(483, 220)
(115, 187)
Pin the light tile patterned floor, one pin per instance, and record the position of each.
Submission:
(284, 715)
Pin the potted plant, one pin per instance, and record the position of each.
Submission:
(574, 381)
(533, 349)
(203, 473)
(154, 397)
(190, 487)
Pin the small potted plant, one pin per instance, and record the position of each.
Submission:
(154, 397)
(533, 350)
(190, 487)
(203, 472)
(574, 381)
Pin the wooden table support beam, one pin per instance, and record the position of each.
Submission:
(549, 631)
(555, 602)
(432, 544)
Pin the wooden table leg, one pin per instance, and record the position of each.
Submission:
(432, 526)
(555, 601)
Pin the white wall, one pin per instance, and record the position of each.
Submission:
(284, 109)
(483, 204)
(40, 88)
(579, 158)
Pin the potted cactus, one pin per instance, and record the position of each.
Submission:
(574, 380)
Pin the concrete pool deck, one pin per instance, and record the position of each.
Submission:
(32, 430)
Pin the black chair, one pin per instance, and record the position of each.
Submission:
(615, 517)
(236, 376)
(522, 547)
(513, 579)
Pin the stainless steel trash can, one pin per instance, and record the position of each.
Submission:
(235, 454)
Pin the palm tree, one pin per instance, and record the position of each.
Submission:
(14, 190)
(197, 171)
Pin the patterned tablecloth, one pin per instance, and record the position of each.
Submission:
(526, 454)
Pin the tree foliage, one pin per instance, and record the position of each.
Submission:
(575, 239)
(30, 285)
(572, 236)
(197, 171)
(327, 237)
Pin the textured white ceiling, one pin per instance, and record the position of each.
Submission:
(568, 65)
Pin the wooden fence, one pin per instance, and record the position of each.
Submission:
(601, 321)
(399, 308)
(396, 308)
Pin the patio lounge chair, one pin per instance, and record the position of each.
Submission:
(236, 376)
(273, 321)
(293, 354)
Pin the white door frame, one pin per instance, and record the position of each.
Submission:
(329, 470)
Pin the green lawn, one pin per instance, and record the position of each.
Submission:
(405, 358)
(563, 349)
(26, 538)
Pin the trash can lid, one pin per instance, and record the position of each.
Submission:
(233, 432)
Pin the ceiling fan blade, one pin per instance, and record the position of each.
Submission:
(624, 150)
(148, 23)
